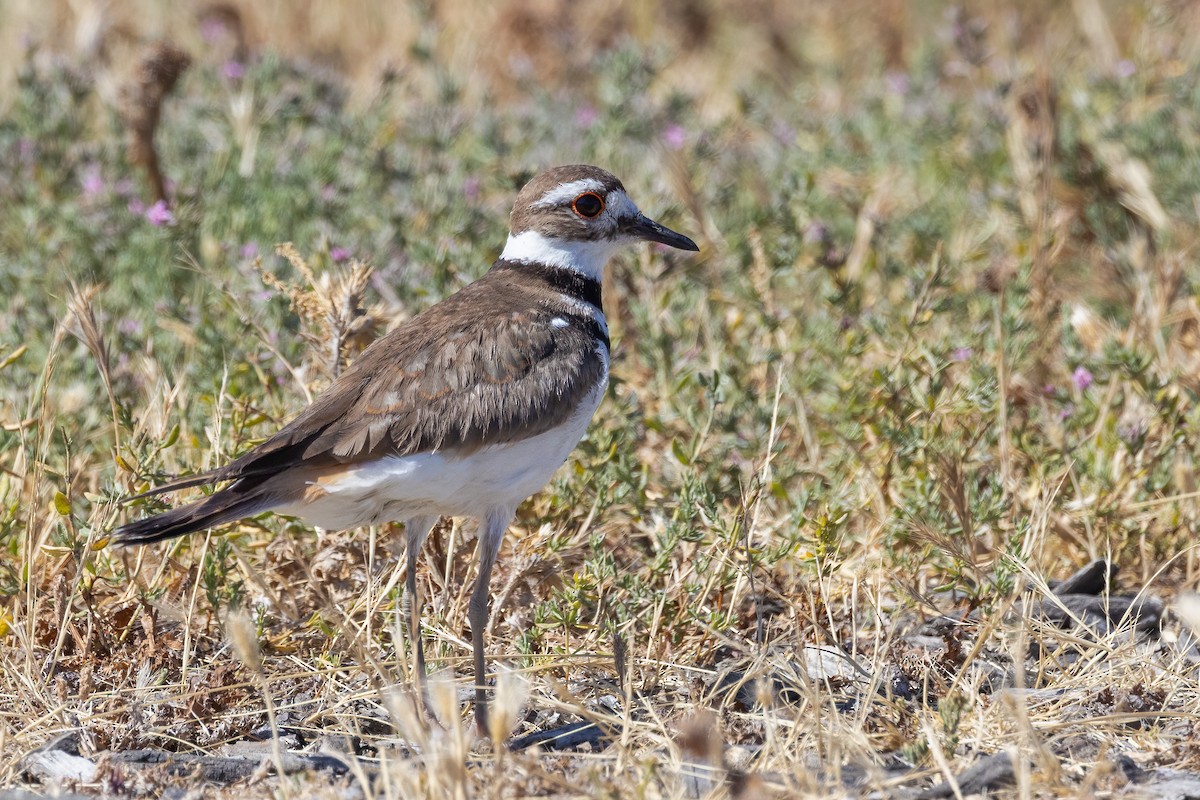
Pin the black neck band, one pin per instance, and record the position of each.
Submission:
(561, 279)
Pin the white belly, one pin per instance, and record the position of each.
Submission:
(442, 483)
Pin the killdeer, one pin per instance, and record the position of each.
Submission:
(465, 410)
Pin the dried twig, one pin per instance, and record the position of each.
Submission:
(332, 306)
(141, 108)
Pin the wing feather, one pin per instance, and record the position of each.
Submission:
(469, 377)
(460, 379)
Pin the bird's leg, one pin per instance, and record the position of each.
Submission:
(415, 530)
(491, 532)
(412, 608)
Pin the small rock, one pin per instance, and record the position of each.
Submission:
(57, 765)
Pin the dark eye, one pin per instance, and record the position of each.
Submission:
(588, 204)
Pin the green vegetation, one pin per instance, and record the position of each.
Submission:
(940, 347)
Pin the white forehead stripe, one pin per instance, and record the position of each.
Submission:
(568, 191)
(620, 206)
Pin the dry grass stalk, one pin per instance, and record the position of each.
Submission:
(879, 204)
(82, 308)
(332, 307)
(1032, 139)
(1096, 28)
(141, 108)
(223, 27)
(512, 693)
(242, 635)
(1129, 180)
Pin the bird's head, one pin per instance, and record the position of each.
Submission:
(577, 217)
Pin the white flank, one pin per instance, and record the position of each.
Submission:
(446, 484)
(585, 257)
(566, 192)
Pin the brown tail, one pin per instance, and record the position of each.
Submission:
(225, 506)
(251, 474)
(186, 482)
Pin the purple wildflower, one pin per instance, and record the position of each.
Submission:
(896, 82)
(234, 70)
(136, 206)
(817, 232)
(1082, 378)
(129, 326)
(962, 354)
(339, 254)
(674, 136)
(159, 214)
(92, 183)
(249, 250)
(1066, 411)
(585, 117)
(1125, 68)
(328, 192)
(471, 188)
(212, 29)
(1132, 431)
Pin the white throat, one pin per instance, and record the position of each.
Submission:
(585, 257)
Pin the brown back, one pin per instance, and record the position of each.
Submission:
(484, 366)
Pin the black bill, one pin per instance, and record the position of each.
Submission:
(643, 227)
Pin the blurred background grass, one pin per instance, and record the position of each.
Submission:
(943, 334)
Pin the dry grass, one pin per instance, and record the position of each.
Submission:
(940, 348)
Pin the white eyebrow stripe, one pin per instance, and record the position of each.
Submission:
(568, 191)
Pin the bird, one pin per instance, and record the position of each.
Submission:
(465, 410)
